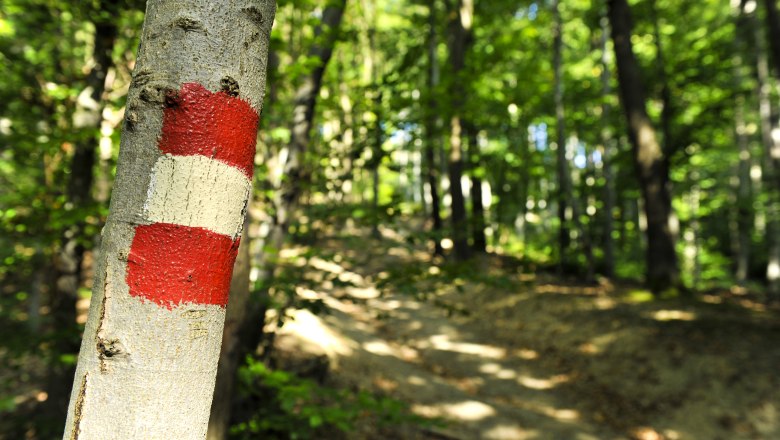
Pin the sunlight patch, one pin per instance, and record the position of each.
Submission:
(442, 342)
(416, 380)
(673, 315)
(378, 347)
(542, 384)
(469, 410)
(308, 327)
(498, 371)
(527, 354)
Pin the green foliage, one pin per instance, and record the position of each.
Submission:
(290, 407)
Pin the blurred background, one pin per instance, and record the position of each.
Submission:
(456, 232)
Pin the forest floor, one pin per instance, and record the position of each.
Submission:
(498, 352)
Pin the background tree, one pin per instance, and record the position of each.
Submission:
(651, 164)
(462, 18)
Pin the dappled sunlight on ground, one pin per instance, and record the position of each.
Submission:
(413, 351)
(521, 356)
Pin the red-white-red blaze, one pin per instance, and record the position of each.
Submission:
(175, 264)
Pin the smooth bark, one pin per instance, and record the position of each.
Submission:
(479, 241)
(147, 364)
(462, 14)
(562, 166)
(431, 133)
(607, 154)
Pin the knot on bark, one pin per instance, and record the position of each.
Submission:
(109, 348)
(188, 24)
(254, 15)
(229, 86)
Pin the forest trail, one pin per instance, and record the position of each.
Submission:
(502, 355)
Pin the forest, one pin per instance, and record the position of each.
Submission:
(390, 219)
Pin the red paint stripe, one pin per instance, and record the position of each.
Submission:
(172, 264)
(215, 125)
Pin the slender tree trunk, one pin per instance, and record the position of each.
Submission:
(608, 147)
(692, 240)
(148, 359)
(583, 232)
(295, 175)
(463, 15)
(560, 140)
(523, 227)
(376, 157)
(347, 142)
(477, 206)
(455, 172)
(770, 163)
(773, 30)
(667, 112)
(649, 159)
(431, 133)
(743, 217)
(744, 195)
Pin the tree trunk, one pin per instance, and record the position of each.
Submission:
(744, 195)
(667, 112)
(743, 215)
(608, 147)
(461, 35)
(293, 172)
(377, 153)
(477, 206)
(773, 29)
(347, 142)
(148, 359)
(431, 133)
(649, 158)
(692, 240)
(770, 163)
(562, 167)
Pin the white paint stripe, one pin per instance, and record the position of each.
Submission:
(197, 191)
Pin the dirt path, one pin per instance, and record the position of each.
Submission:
(538, 361)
